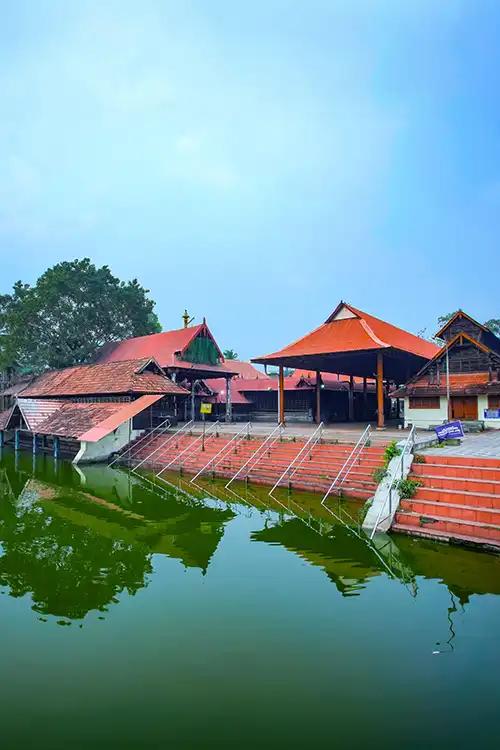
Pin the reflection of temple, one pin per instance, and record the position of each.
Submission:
(75, 539)
(75, 550)
(347, 561)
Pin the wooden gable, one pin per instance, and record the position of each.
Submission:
(465, 356)
(460, 322)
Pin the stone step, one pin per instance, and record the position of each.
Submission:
(457, 470)
(447, 510)
(444, 536)
(457, 497)
(452, 526)
(455, 483)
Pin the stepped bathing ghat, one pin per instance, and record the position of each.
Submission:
(140, 405)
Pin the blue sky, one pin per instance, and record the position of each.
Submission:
(257, 162)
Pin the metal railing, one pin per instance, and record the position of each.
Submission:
(266, 445)
(173, 436)
(243, 434)
(199, 440)
(349, 462)
(163, 427)
(295, 464)
(394, 479)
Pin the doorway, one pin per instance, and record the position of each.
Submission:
(464, 407)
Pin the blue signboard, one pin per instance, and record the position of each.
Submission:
(492, 413)
(450, 430)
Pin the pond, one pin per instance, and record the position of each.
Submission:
(134, 616)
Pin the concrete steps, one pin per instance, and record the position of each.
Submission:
(315, 474)
(458, 500)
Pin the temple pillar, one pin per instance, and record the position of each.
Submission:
(281, 395)
(1, 439)
(34, 443)
(351, 400)
(193, 401)
(380, 391)
(17, 439)
(229, 405)
(365, 399)
(318, 397)
(56, 447)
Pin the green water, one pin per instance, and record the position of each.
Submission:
(141, 618)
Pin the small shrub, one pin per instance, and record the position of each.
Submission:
(419, 459)
(391, 450)
(379, 474)
(407, 488)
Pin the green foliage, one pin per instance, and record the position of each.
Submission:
(230, 354)
(274, 372)
(407, 488)
(72, 310)
(379, 474)
(391, 451)
(494, 325)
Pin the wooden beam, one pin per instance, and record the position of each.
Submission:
(318, 397)
(281, 395)
(380, 391)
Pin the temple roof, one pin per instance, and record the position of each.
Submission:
(349, 330)
(133, 376)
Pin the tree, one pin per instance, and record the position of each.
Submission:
(230, 354)
(72, 310)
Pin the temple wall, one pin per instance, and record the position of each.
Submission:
(424, 418)
(103, 448)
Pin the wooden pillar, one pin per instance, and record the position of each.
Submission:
(34, 443)
(56, 447)
(193, 400)
(318, 397)
(365, 399)
(1, 439)
(281, 395)
(17, 439)
(229, 405)
(351, 399)
(380, 391)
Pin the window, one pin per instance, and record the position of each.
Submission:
(424, 402)
(493, 402)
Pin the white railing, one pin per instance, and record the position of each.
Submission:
(297, 462)
(162, 445)
(266, 445)
(163, 427)
(349, 462)
(199, 440)
(396, 475)
(243, 434)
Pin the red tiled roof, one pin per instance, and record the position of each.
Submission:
(102, 379)
(357, 332)
(36, 411)
(4, 418)
(88, 421)
(244, 369)
(218, 386)
(165, 348)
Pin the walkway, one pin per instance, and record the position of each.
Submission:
(481, 445)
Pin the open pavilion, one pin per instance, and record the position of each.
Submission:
(353, 343)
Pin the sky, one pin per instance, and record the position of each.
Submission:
(257, 162)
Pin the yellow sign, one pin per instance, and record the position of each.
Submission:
(205, 408)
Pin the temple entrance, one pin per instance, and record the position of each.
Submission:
(464, 407)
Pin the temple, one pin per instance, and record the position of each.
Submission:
(190, 356)
(356, 344)
(460, 382)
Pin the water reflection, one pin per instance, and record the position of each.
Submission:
(75, 539)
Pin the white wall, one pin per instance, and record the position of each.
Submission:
(482, 404)
(103, 448)
(424, 418)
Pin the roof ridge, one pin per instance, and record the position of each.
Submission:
(372, 334)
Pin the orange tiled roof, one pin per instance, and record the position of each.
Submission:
(357, 332)
(102, 379)
(165, 348)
